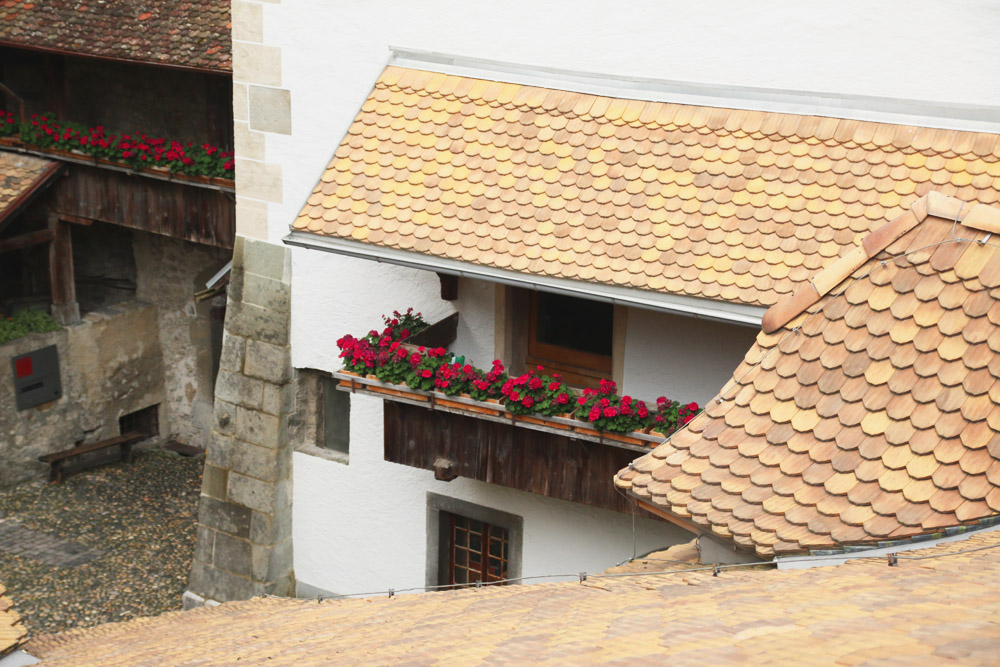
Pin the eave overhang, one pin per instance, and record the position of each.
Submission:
(733, 313)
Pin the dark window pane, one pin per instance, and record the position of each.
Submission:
(336, 418)
(578, 324)
(475, 526)
(496, 548)
(475, 542)
(461, 538)
(460, 557)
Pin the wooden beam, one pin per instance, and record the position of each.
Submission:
(449, 286)
(26, 240)
(61, 277)
(663, 514)
(76, 220)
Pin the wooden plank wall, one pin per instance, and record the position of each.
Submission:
(169, 208)
(520, 458)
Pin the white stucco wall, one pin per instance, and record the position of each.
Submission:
(679, 357)
(331, 53)
(362, 527)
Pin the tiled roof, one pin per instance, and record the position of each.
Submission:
(12, 630)
(933, 611)
(870, 412)
(189, 33)
(18, 175)
(724, 204)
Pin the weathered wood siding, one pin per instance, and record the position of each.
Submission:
(162, 207)
(519, 458)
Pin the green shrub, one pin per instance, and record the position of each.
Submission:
(24, 322)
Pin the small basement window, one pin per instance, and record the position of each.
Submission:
(467, 543)
(476, 550)
(336, 418)
(145, 421)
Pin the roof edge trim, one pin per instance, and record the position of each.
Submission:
(219, 71)
(721, 311)
(825, 558)
(899, 111)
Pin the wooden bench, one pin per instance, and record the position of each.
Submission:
(123, 442)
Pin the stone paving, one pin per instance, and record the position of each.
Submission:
(109, 544)
(20, 541)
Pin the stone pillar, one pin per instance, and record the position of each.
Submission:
(245, 516)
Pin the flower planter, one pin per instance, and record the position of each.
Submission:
(621, 437)
(408, 394)
(162, 172)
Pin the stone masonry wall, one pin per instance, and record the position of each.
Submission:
(110, 365)
(244, 523)
(169, 272)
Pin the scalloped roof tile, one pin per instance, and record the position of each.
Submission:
(18, 175)
(867, 410)
(931, 611)
(723, 204)
(188, 33)
(12, 631)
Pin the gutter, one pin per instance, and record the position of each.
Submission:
(702, 309)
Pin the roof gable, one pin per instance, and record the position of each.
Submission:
(869, 408)
(723, 204)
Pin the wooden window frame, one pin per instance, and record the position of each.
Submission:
(490, 533)
(438, 534)
(516, 342)
(577, 367)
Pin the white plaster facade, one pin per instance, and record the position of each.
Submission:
(303, 68)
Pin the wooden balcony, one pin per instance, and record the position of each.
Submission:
(457, 436)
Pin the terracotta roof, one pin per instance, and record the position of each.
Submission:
(872, 410)
(12, 630)
(931, 611)
(20, 175)
(187, 33)
(730, 205)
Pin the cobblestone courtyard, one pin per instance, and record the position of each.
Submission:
(108, 544)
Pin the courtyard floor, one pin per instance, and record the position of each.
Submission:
(109, 544)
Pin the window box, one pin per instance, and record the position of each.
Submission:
(561, 425)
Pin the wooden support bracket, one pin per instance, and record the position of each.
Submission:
(449, 286)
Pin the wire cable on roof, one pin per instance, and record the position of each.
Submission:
(716, 569)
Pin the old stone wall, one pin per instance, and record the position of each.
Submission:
(169, 272)
(110, 364)
(244, 522)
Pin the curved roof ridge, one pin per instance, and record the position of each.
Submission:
(933, 204)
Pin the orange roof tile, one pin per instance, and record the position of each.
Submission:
(19, 175)
(928, 611)
(869, 407)
(723, 204)
(12, 630)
